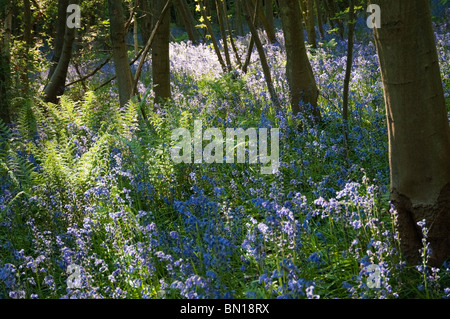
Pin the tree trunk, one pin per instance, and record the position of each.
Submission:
(230, 34)
(262, 56)
(419, 135)
(310, 23)
(270, 31)
(120, 55)
(27, 22)
(144, 17)
(348, 72)
(27, 37)
(268, 10)
(5, 71)
(135, 30)
(59, 38)
(328, 14)
(210, 30)
(220, 18)
(319, 19)
(332, 8)
(148, 45)
(4, 85)
(300, 77)
(188, 20)
(239, 23)
(251, 44)
(56, 86)
(160, 55)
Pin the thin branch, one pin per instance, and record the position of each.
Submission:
(98, 68)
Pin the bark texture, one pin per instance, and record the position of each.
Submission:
(59, 38)
(262, 56)
(419, 135)
(5, 71)
(144, 17)
(57, 84)
(188, 20)
(300, 77)
(310, 23)
(120, 56)
(160, 55)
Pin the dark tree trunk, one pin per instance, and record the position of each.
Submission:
(120, 55)
(239, 23)
(310, 23)
(188, 20)
(220, 17)
(302, 84)
(251, 44)
(262, 55)
(144, 17)
(348, 72)
(4, 85)
(59, 38)
(56, 86)
(270, 31)
(419, 135)
(328, 14)
(160, 55)
(27, 22)
(210, 30)
(332, 8)
(4, 66)
(27, 37)
(230, 33)
(319, 18)
(268, 10)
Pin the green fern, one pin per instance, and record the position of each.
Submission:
(27, 122)
(92, 164)
(5, 137)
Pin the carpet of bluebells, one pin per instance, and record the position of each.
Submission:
(93, 185)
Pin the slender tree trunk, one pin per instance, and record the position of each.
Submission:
(188, 20)
(230, 34)
(144, 17)
(302, 84)
(135, 28)
(4, 87)
(4, 65)
(210, 30)
(160, 55)
(251, 44)
(319, 18)
(27, 22)
(262, 56)
(148, 45)
(120, 55)
(328, 14)
(239, 23)
(59, 38)
(310, 23)
(419, 135)
(268, 10)
(348, 72)
(56, 86)
(270, 31)
(220, 18)
(27, 37)
(332, 7)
